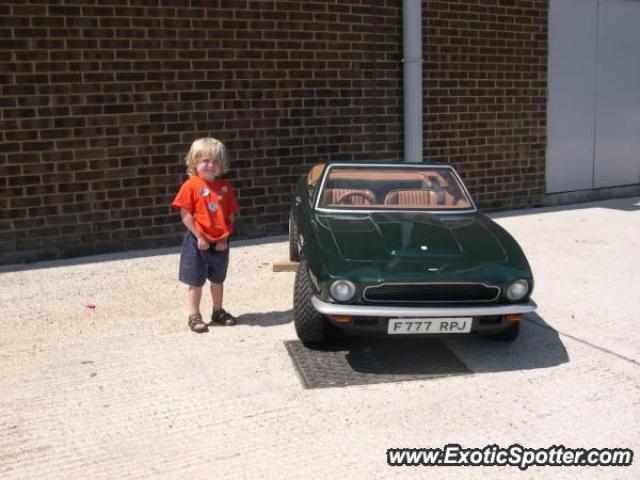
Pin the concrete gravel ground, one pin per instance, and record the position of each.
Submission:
(125, 390)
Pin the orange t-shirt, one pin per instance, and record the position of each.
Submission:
(210, 204)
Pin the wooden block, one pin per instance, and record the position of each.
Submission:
(285, 266)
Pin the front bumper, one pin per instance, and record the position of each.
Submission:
(423, 312)
(373, 319)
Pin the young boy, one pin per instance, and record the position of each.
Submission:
(208, 207)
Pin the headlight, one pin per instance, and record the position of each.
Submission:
(342, 290)
(517, 290)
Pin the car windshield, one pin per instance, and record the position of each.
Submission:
(393, 188)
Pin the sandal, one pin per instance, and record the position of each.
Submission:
(222, 317)
(196, 324)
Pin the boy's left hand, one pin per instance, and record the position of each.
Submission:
(222, 245)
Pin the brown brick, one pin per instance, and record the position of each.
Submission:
(108, 119)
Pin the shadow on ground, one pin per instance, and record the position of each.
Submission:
(268, 319)
(365, 360)
(538, 346)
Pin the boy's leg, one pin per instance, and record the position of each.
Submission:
(217, 292)
(219, 314)
(217, 263)
(195, 318)
(194, 295)
(193, 273)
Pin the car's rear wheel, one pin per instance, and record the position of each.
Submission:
(311, 326)
(509, 334)
(294, 251)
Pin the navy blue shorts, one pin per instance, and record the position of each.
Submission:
(198, 265)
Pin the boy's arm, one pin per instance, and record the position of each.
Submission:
(187, 219)
(224, 243)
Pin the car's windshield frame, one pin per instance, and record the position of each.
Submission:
(368, 166)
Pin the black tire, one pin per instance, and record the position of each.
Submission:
(294, 251)
(311, 326)
(509, 334)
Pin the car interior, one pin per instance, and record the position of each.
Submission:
(389, 188)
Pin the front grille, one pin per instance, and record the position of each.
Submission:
(432, 293)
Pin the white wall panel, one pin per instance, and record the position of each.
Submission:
(572, 88)
(617, 145)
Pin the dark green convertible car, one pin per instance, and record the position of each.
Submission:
(400, 249)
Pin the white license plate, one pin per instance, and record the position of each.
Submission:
(429, 325)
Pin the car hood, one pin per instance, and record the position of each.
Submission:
(421, 242)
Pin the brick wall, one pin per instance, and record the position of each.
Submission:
(100, 101)
(485, 81)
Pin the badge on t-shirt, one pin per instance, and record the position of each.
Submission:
(204, 192)
(224, 189)
(213, 206)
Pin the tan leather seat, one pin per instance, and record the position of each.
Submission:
(343, 196)
(412, 198)
(314, 174)
(440, 185)
(449, 200)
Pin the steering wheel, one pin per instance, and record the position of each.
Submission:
(366, 195)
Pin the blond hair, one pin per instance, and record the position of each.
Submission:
(206, 146)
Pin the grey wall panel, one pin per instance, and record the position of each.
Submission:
(571, 106)
(617, 145)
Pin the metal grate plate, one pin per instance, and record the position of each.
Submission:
(363, 360)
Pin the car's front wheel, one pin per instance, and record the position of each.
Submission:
(311, 326)
(509, 334)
